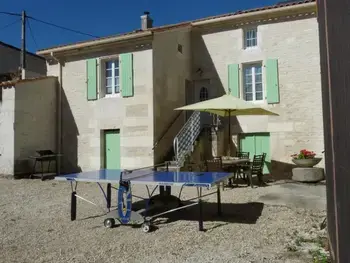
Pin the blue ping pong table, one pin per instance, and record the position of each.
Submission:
(162, 180)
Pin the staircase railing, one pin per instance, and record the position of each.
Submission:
(184, 140)
(167, 129)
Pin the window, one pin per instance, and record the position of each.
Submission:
(250, 38)
(203, 94)
(179, 48)
(252, 83)
(112, 84)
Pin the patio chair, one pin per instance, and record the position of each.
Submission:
(214, 165)
(242, 155)
(255, 168)
(239, 169)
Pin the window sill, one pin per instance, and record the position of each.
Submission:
(109, 96)
(112, 95)
(263, 102)
(252, 48)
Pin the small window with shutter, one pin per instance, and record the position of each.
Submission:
(116, 76)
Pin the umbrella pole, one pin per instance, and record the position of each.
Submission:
(229, 133)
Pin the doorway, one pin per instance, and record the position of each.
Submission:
(256, 144)
(202, 92)
(112, 149)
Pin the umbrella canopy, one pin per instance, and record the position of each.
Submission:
(228, 105)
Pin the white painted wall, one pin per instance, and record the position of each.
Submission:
(27, 123)
(7, 116)
(35, 120)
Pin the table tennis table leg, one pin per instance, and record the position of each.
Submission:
(73, 207)
(109, 195)
(218, 195)
(200, 208)
(164, 190)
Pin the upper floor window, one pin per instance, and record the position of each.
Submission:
(252, 83)
(112, 84)
(250, 38)
(203, 94)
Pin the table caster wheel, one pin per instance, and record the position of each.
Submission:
(109, 222)
(146, 227)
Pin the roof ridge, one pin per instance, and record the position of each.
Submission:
(286, 3)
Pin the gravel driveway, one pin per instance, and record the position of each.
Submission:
(35, 227)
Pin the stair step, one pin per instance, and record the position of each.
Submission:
(170, 168)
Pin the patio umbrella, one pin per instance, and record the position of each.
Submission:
(227, 106)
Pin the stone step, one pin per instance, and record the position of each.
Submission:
(170, 168)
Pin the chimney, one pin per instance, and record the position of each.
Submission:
(146, 21)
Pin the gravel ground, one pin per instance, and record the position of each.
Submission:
(36, 227)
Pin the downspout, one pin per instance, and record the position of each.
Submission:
(59, 116)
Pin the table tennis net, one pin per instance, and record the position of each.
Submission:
(133, 174)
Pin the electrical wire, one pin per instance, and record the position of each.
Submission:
(10, 14)
(32, 34)
(61, 27)
(10, 24)
(50, 24)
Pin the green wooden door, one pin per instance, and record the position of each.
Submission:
(262, 145)
(256, 144)
(247, 144)
(112, 149)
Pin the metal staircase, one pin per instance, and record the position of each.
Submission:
(184, 141)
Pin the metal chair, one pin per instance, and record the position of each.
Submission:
(214, 165)
(240, 167)
(256, 168)
(242, 155)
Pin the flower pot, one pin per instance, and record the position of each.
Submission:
(306, 162)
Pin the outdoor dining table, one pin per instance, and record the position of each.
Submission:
(232, 164)
(234, 161)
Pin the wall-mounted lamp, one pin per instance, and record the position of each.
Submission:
(199, 71)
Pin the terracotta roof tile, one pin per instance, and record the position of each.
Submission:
(188, 23)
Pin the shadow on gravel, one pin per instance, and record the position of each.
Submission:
(243, 213)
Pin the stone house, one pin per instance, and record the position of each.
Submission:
(10, 62)
(118, 93)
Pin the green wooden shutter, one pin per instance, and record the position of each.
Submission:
(126, 78)
(91, 72)
(272, 84)
(233, 80)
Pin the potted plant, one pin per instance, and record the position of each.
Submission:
(305, 158)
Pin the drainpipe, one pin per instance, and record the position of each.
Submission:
(59, 116)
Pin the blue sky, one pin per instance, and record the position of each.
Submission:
(103, 18)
